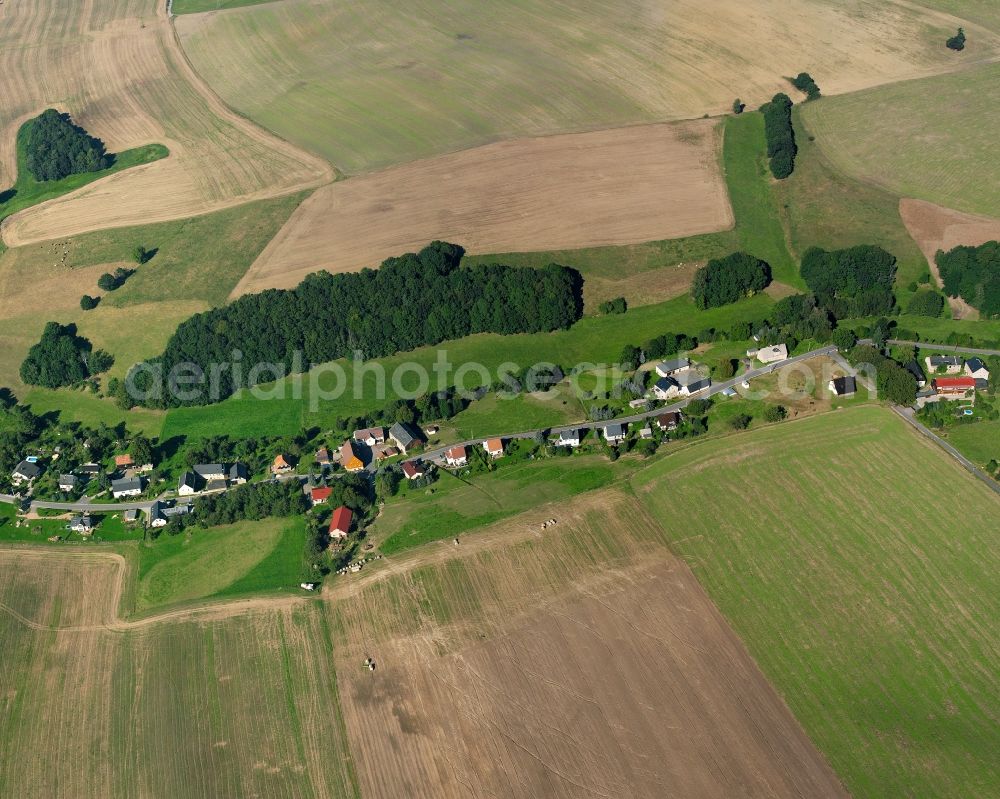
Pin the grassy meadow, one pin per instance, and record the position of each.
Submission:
(866, 599)
(931, 139)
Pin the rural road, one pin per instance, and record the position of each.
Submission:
(714, 389)
(930, 345)
(910, 416)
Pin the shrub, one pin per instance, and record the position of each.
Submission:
(88, 303)
(738, 106)
(740, 421)
(926, 302)
(57, 148)
(107, 282)
(615, 306)
(956, 42)
(775, 413)
(726, 280)
(804, 83)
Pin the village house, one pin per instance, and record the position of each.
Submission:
(89, 470)
(320, 494)
(646, 431)
(690, 382)
(614, 433)
(954, 387)
(123, 461)
(349, 458)
(457, 457)
(385, 451)
(665, 388)
(668, 368)
(187, 484)
(68, 482)
(25, 472)
(918, 374)
(238, 474)
(843, 386)
(402, 437)
(412, 470)
(82, 524)
(493, 447)
(210, 471)
(944, 364)
(282, 464)
(568, 438)
(773, 354)
(976, 369)
(131, 516)
(126, 487)
(340, 523)
(370, 436)
(668, 421)
(323, 456)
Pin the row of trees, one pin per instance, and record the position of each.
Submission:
(411, 301)
(62, 358)
(973, 273)
(856, 281)
(57, 148)
(726, 280)
(781, 148)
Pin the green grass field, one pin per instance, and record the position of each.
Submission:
(865, 597)
(27, 191)
(931, 139)
(458, 505)
(243, 558)
(197, 6)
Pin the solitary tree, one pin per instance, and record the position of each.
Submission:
(88, 303)
(957, 42)
(140, 255)
(107, 282)
(738, 106)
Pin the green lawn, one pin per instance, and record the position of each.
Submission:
(242, 558)
(752, 194)
(932, 139)
(27, 191)
(458, 505)
(868, 601)
(980, 441)
(821, 207)
(90, 410)
(493, 415)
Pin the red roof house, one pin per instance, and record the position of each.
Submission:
(412, 470)
(320, 495)
(456, 456)
(954, 385)
(340, 523)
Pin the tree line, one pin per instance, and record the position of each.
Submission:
(414, 300)
(781, 148)
(973, 273)
(726, 280)
(57, 148)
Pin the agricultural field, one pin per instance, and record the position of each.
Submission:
(621, 186)
(868, 602)
(928, 139)
(117, 69)
(332, 78)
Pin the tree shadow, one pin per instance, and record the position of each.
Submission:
(169, 448)
(7, 195)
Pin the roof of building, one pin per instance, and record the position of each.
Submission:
(493, 445)
(341, 520)
(323, 455)
(614, 429)
(944, 360)
(28, 469)
(348, 457)
(89, 468)
(127, 484)
(412, 469)
(914, 369)
(673, 365)
(666, 383)
(668, 419)
(456, 453)
(569, 435)
(975, 364)
(188, 480)
(281, 461)
(844, 385)
(131, 514)
(238, 471)
(954, 382)
(377, 433)
(209, 470)
(401, 434)
(67, 479)
(123, 460)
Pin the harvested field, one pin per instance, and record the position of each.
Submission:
(117, 68)
(579, 190)
(332, 77)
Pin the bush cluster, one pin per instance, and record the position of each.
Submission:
(726, 280)
(62, 358)
(57, 148)
(804, 83)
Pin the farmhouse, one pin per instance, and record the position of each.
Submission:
(282, 464)
(370, 436)
(843, 386)
(690, 382)
(210, 471)
(402, 437)
(493, 447)
(67, 482)
(946, 364)
(340, 523)
(667, 368)
(412, 470)
(954, 387)
(126, 487)
(187, 484)
(773, 354)
(349, 458)
(665, 388)
(82, 524)
(976, 369)
(614, 433)
(668, 421)
(456, 457)
(25, 472)
(568, 438)
(320, 495)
